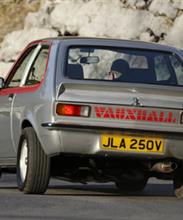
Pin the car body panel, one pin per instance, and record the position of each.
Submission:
(36, 105)
(6, 147)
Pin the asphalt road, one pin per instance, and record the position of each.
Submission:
(69, 201)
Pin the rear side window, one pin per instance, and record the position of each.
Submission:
(161, 68)
(178, 67)
(124, 65)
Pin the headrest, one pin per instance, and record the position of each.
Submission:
(120, 65)
(74, 71)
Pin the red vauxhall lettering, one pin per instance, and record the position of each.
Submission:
(99, 111)
(109, 113)
(152, 117)
(134, 114)
(170, 118)
(131, 114)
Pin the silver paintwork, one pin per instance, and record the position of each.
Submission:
(6, 147)
(39, 107)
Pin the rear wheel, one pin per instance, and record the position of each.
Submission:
(33, 165)
(131, 185)
(178, 181)
(132, 181)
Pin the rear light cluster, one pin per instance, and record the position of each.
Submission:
(73, 110)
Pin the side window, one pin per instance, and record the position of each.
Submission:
(178, 68)
(20, 69)
(161, 68)
(38, 68)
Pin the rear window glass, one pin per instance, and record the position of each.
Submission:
(124, 65)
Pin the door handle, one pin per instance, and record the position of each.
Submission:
(10, 97)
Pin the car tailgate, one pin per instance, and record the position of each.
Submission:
(128, 106)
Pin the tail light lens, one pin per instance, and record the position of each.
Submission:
(72, 110)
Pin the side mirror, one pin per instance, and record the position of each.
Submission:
(1, 82)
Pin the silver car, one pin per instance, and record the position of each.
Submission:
(88, 109)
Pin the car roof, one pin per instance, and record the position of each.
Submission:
(71, 40)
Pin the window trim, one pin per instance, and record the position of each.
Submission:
(16, 64)
(24, 88)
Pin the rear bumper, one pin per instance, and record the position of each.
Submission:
(86, 139)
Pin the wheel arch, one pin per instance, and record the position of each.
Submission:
(46, 137)
(25, 124)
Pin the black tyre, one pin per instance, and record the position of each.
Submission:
(33, 165)
(178, 181)
(131, 186)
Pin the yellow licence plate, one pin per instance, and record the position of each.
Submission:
(132, 144)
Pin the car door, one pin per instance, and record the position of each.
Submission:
(7, 96)
(26, 101)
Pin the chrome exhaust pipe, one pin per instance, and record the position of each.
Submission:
(164, 167)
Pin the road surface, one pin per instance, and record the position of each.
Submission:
(69, 201)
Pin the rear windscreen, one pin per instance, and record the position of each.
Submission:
(124, 65)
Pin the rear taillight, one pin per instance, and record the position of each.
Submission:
(72, 110)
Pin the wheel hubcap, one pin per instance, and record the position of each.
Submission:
(23, 160)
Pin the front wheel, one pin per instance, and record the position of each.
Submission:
(33, 165)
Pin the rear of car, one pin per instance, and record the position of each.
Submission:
(121, 108)
(118, 112)
(113, 93)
